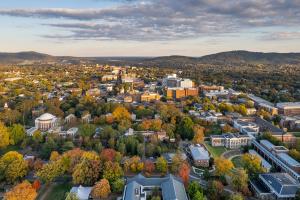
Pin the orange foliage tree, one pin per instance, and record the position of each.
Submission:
(101, 189)
(23, 190)
(184, 173)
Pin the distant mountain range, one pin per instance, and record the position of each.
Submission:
(230, 57)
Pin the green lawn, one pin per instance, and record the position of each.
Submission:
(59, 191)
(237, 161)
(214, 151)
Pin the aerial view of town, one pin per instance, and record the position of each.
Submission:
(150, 100)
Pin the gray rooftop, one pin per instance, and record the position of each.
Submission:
(199, 153)
(282, 184)
(288, 159)
(267, 144)
(172, 188)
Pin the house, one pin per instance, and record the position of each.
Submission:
(200, 155)
(230, 140)
(82, 193)
(275, 186)
(140, 187)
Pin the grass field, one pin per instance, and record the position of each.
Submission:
(214, 151)
(237, 161)
(59, 191)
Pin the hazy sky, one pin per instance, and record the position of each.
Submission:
(149, 27)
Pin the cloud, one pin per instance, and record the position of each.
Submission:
(281, 36)
(166, 19)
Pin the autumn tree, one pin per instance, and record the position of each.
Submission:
(36, 184)
(198, 134)
(101, 189)
(239, 180)
(108, 154)
(54, 156)
(16, 134)
(184, 173)
(23, 190)
(4, 136)
(112, 171)
(50, 171)
(86, 172)
(162, 165)
(12, 166)
(177, 160)
(252, 164)
(149, 166)
(214, 189)
(118, 185)
(236, 196)
(223, 166)
(121, 113)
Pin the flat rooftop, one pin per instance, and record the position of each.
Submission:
(288, 159)
(288, 105)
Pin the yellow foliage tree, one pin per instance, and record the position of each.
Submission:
(23, 190)
(121, 113)
(198, 134)
(4, 136)
(223, 166)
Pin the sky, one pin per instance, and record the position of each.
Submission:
(149, 27)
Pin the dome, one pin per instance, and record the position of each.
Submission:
(46, 117)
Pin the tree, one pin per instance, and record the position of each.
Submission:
(184, 173)
(36, 184)
(86, 172)
(121, 113)
(37, 137)
(101, 189)
(162, 165)
(50, 171)
(49, 146)
(108, 155)
(239, 180)
(297, 195)
(118, 185)
(112, 171)
(198, 196)
(72, 196)
(198, 134)
(4, 136)
(17, 134)
(177, 160)
(12, 166)
(16, 170)
(214, 189)
(87, 130)
(223, 166)
(236, 196)
(149, 166)
(23, 190)
(185, 128)
(193, 188)
(54, 156)
(252, 163)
